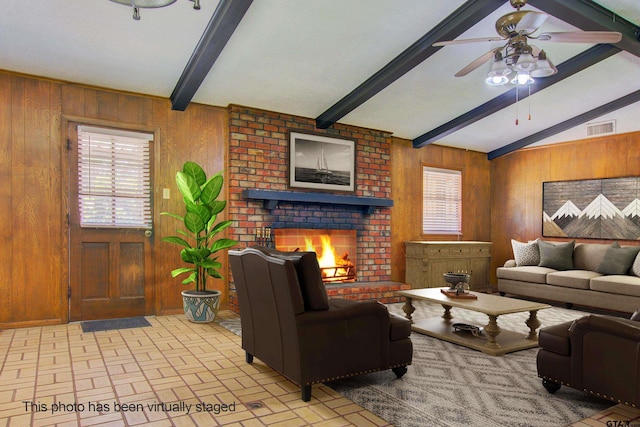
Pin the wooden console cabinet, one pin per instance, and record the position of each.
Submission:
(427, 261)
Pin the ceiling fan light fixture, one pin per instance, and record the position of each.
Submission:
(150, 4)
(522, 78)
(499, 67)
(497, 80)
(544, 67)
(499, 71)
(526, 61)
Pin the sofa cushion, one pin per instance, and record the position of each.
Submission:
(618, 260)
(588, 256)
(525, 253)
(617, 284)
(558, 256)
(555, 338)
(532, 274)
(578, 279)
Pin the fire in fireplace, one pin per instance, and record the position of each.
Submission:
(335, 250)
(334, 267)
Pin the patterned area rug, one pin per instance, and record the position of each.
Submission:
(450, 386)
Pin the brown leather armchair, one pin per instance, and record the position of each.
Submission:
(289, 323)
(596, 353)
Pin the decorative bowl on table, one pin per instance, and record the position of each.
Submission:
(453, 279)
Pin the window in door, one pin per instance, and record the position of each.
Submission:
(114, 178)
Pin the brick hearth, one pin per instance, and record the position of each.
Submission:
(380, 291)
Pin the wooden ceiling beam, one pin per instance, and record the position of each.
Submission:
(629, 99)
(568, 68)
(221, 26)
(451, 27)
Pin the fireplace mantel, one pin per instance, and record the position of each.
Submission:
(272, 198)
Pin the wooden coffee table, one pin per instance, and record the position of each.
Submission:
(493, 340)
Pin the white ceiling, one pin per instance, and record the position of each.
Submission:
(303, 56)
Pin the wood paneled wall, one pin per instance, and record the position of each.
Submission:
(33, 249)
(406, 192)
(501, 199)
(516, 183)
(34, 113)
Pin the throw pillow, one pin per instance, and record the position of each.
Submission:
(558, 256)
(618, 260)
(525, 253)
(636, 315)
(313, 289)
(635, 268)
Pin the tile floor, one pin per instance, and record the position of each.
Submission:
(174, 373)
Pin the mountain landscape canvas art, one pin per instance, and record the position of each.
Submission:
(592, 209)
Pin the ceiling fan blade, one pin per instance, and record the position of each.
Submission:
(582, 37)
(464, 41)
(530, 22)
(475, 64)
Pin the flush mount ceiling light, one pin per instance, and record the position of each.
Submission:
(150, 4)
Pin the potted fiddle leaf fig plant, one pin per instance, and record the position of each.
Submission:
(200, 247)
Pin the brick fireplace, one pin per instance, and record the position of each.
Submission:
(258, 160)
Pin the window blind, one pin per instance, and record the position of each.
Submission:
(441, 201)
(114, 178)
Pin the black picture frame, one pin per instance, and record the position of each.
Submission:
(321, 163)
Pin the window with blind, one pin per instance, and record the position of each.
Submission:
(114, 178)
(441, 201)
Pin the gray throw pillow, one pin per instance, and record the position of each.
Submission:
(635, 268)
(618, 260)
(636, 315)
(525, 253)
(558, 256)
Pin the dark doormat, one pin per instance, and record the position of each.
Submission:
(112, 324)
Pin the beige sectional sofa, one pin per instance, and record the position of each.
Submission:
(598, 275)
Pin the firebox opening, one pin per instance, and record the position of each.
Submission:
(335, 249)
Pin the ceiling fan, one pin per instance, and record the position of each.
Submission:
(517, 55)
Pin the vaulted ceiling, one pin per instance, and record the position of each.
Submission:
(367, 63)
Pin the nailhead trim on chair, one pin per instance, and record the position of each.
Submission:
(633, 405)
(604, 396)
(353, 374)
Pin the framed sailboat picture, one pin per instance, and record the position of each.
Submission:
(321, 162)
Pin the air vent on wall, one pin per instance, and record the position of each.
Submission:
(602, 128)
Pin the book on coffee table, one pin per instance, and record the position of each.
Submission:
(455, 294)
